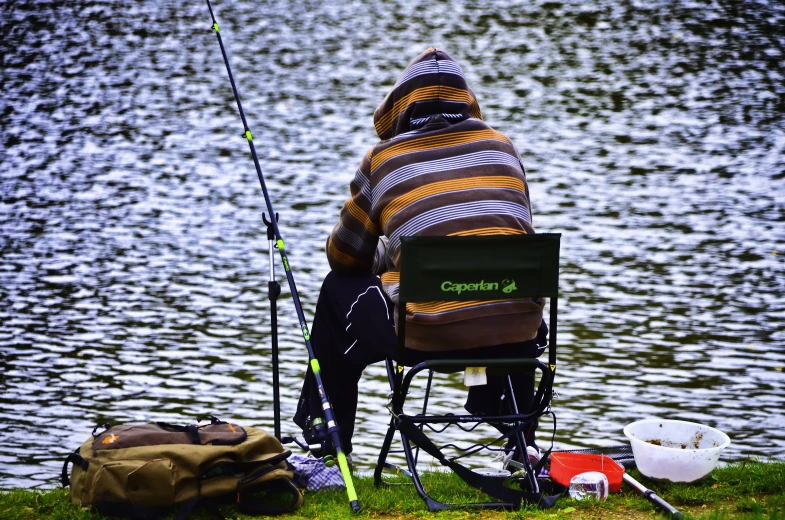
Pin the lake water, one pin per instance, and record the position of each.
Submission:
(133, 257)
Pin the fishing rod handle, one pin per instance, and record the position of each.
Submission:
(655, 499)
(652, 497)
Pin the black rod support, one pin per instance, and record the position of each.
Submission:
(275, 290)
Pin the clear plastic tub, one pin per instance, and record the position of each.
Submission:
(591, 484)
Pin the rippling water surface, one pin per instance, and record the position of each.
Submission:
(133, 257)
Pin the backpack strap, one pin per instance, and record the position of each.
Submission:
(281, 483)
(76, 459)
(105, 426)
(171, 427)
(230, 467)
(192, 430)
(213, 419)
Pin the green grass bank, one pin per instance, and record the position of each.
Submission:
(747, 490)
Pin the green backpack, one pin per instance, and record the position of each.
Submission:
(140, 470)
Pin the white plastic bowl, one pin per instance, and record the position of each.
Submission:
(678, 451)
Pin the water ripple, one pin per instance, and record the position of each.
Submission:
(134, 259)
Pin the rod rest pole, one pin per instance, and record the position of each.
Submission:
(273, 292)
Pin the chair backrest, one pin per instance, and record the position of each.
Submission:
(480, 268)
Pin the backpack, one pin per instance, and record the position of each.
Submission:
(141, 470)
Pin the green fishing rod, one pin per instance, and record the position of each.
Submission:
(329, 416)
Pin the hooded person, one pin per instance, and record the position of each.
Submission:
(438, 170)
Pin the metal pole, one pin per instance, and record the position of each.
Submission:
(274, 291)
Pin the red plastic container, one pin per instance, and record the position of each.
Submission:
(565, 465)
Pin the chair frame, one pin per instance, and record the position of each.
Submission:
(531, 261)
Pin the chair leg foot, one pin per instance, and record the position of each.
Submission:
(435, 505)
(377, 473)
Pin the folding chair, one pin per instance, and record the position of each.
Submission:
(511, 266)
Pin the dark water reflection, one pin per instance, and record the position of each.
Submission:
(133, 257)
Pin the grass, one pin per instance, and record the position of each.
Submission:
(747, 490)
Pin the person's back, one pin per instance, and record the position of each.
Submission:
(438, 170)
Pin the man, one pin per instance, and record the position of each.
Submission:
(438, 169)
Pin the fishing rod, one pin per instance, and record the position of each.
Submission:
(329, 416)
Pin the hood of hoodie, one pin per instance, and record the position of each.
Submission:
(432, 85)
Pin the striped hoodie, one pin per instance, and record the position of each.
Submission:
(438, 169)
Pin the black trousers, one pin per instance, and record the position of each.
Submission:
(353, 327)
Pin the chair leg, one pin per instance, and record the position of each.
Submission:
(433, 505)
(424, 409)
(411, 458)
(377, 473)
(520, 439)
